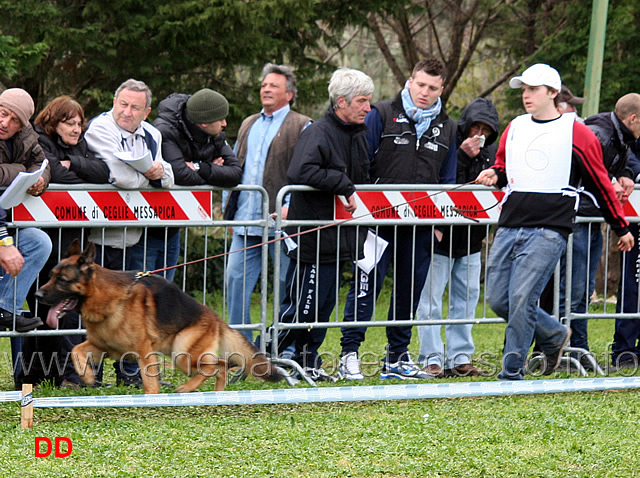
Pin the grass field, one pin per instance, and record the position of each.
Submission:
(554, 435)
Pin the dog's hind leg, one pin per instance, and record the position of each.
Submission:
(205, 368)
(86, 359)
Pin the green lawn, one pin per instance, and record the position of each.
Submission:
(555, 435)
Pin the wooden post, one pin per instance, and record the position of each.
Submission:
(26, 416)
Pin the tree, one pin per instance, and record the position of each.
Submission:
(569, 51)
(86, 48)
(406, 31)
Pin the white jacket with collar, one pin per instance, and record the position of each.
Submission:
(104, 137)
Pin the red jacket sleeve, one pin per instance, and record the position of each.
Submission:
(595, 178)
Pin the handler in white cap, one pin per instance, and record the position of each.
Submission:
(542, 158)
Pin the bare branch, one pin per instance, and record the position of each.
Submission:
(384, 48)
(342, 47)
(516, 67)
(434, 29)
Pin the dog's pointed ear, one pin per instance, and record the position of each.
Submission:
(89, 254)
(74, 248)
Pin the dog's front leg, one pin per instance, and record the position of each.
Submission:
(86, 359)
(150, 372)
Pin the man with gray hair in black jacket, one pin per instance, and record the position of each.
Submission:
(331, 155)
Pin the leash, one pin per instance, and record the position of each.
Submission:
(462, 212)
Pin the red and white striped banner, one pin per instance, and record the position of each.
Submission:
(632, 206)
(438, 205)
(435, 204)
(109, 207)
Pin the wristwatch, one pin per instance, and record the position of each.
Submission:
(7, 241)
(196, 166)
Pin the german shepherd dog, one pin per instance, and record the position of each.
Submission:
(146, 316)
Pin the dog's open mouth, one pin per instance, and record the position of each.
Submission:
(58, 311)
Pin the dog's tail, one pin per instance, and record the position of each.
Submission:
(239, 352)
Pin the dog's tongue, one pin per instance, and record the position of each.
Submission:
(52, 316)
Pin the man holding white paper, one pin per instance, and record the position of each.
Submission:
(124, 133)
(124, 130)
(331, 156)
(19, 148)
(128, 144)
(19, 266)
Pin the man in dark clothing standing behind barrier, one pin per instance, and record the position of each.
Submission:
(618, 132)
(457, 258)
(193, 139)
(194, 144)
(411, 141)
(331, 155)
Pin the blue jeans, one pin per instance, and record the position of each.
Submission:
(521, 262)
(243, 270)
(587, 249)
(156, 253)
(464, 292)
(410, 269)
(35, 247)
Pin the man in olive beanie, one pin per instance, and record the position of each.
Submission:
(19, 148)
(207, 106)
(193, 139)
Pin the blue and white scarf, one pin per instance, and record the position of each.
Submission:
(421, 116)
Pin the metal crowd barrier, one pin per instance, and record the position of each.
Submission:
(438, 206)
(98, 208)
(406, 206)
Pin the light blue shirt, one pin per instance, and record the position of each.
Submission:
(258, 142)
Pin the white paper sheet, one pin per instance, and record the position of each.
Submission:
(374, 247)
(16, 192)
(142, 163)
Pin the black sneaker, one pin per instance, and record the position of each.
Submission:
(23, 324)
(136, 381)
(588, 365)
(554, 358)
(627, 362)
(129, 381)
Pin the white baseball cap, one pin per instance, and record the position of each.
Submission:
(538, 75)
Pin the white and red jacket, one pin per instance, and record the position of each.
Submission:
(543, 163)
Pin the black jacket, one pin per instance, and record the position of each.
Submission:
(183, 141)
(331, 155)
(615, 139)
(458, 238)
(399, 157)
(85, 167)
(479, 110)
